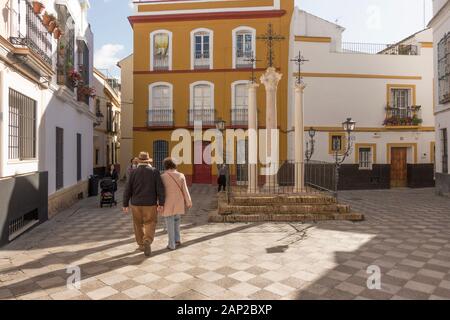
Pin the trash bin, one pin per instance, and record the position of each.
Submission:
(93, 185)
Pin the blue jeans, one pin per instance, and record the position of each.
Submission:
(173, 230)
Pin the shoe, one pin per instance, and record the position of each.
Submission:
(147, 249)
(140, 248)
(178, 243)
(169, 248)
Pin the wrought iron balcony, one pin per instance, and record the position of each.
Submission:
(377, 48)
(160, 118)
(31, 32)
(160, 62)
(239, 117)
(242, 59)
(206, 116)
(202, 61)
(402, 116)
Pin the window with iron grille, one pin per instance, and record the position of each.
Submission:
(365, 158)
(444, 146)
(160, 152)
(22, 127)
(444, 69)
(59, 167)
(401, 101)
(66, 47)
(78, 156)
(336, 143)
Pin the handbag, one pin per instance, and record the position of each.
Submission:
(181, 190)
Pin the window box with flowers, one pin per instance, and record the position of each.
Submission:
(401, 117)
(85, 92)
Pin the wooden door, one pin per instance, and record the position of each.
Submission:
(202, 172)
(399, 169)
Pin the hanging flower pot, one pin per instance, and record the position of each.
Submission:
(46, 18)
(38, 7)
(51, 27)
(57, 33)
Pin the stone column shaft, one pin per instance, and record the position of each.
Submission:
(252, 138)
(299, 131)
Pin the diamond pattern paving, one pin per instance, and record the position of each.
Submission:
(406, 234)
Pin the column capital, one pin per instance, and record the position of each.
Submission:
(253, 85)
(300, 86)
(271, 78)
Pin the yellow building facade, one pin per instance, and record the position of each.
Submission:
(191, 63)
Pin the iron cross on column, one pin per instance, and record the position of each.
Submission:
(252, 60)
(299, 60)
(270, 37)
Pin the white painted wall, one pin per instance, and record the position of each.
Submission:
(53, 111)
(441, 26)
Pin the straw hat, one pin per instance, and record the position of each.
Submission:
(144, 158)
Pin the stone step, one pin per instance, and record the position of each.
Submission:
(272, 200)
(283, 209)
(233, 218)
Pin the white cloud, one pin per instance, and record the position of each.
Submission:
(107, 56)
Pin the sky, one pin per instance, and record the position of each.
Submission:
(370, 21)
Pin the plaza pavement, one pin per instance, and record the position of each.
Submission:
(406, 234)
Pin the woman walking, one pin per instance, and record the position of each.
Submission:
(177, 201)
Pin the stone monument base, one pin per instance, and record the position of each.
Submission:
(281, 208)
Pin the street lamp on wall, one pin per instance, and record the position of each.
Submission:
(340, 155)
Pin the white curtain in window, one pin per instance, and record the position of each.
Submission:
(244, 44)
(161, 97)
(241, 96)
(202, 97)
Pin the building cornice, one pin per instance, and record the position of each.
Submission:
(263, 14)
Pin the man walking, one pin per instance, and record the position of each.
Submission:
(145, 191)
(222, 180)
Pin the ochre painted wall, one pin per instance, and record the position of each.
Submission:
(222, 76)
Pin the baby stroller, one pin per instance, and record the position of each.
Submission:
(107, 195)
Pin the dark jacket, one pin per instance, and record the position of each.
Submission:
(144, 188)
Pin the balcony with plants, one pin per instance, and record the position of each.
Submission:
(32, 28)
(403, 117)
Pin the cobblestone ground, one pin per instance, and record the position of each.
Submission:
(406, 234)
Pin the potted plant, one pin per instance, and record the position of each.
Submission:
(46, 18)
(57, 33)
(51, 26)
(75, 77)
(38, 7)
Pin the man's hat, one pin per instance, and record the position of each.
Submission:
(144, 158)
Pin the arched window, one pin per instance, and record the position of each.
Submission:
(161, 50)
(244, 47)
(202, 49)
(202, 102)
(160, 152)
(160, 111)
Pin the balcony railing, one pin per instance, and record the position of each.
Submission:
(160, 118)
(243, 59)
(239, 117)
(376, 48)
(205, 116)
(403, 116)
(27, 29)
(160, 62)
(202, 61)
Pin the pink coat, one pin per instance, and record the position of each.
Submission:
(177, 193)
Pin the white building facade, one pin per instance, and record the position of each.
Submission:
(47, 118)
(387, 90)
(107, 128)
(441, 33)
